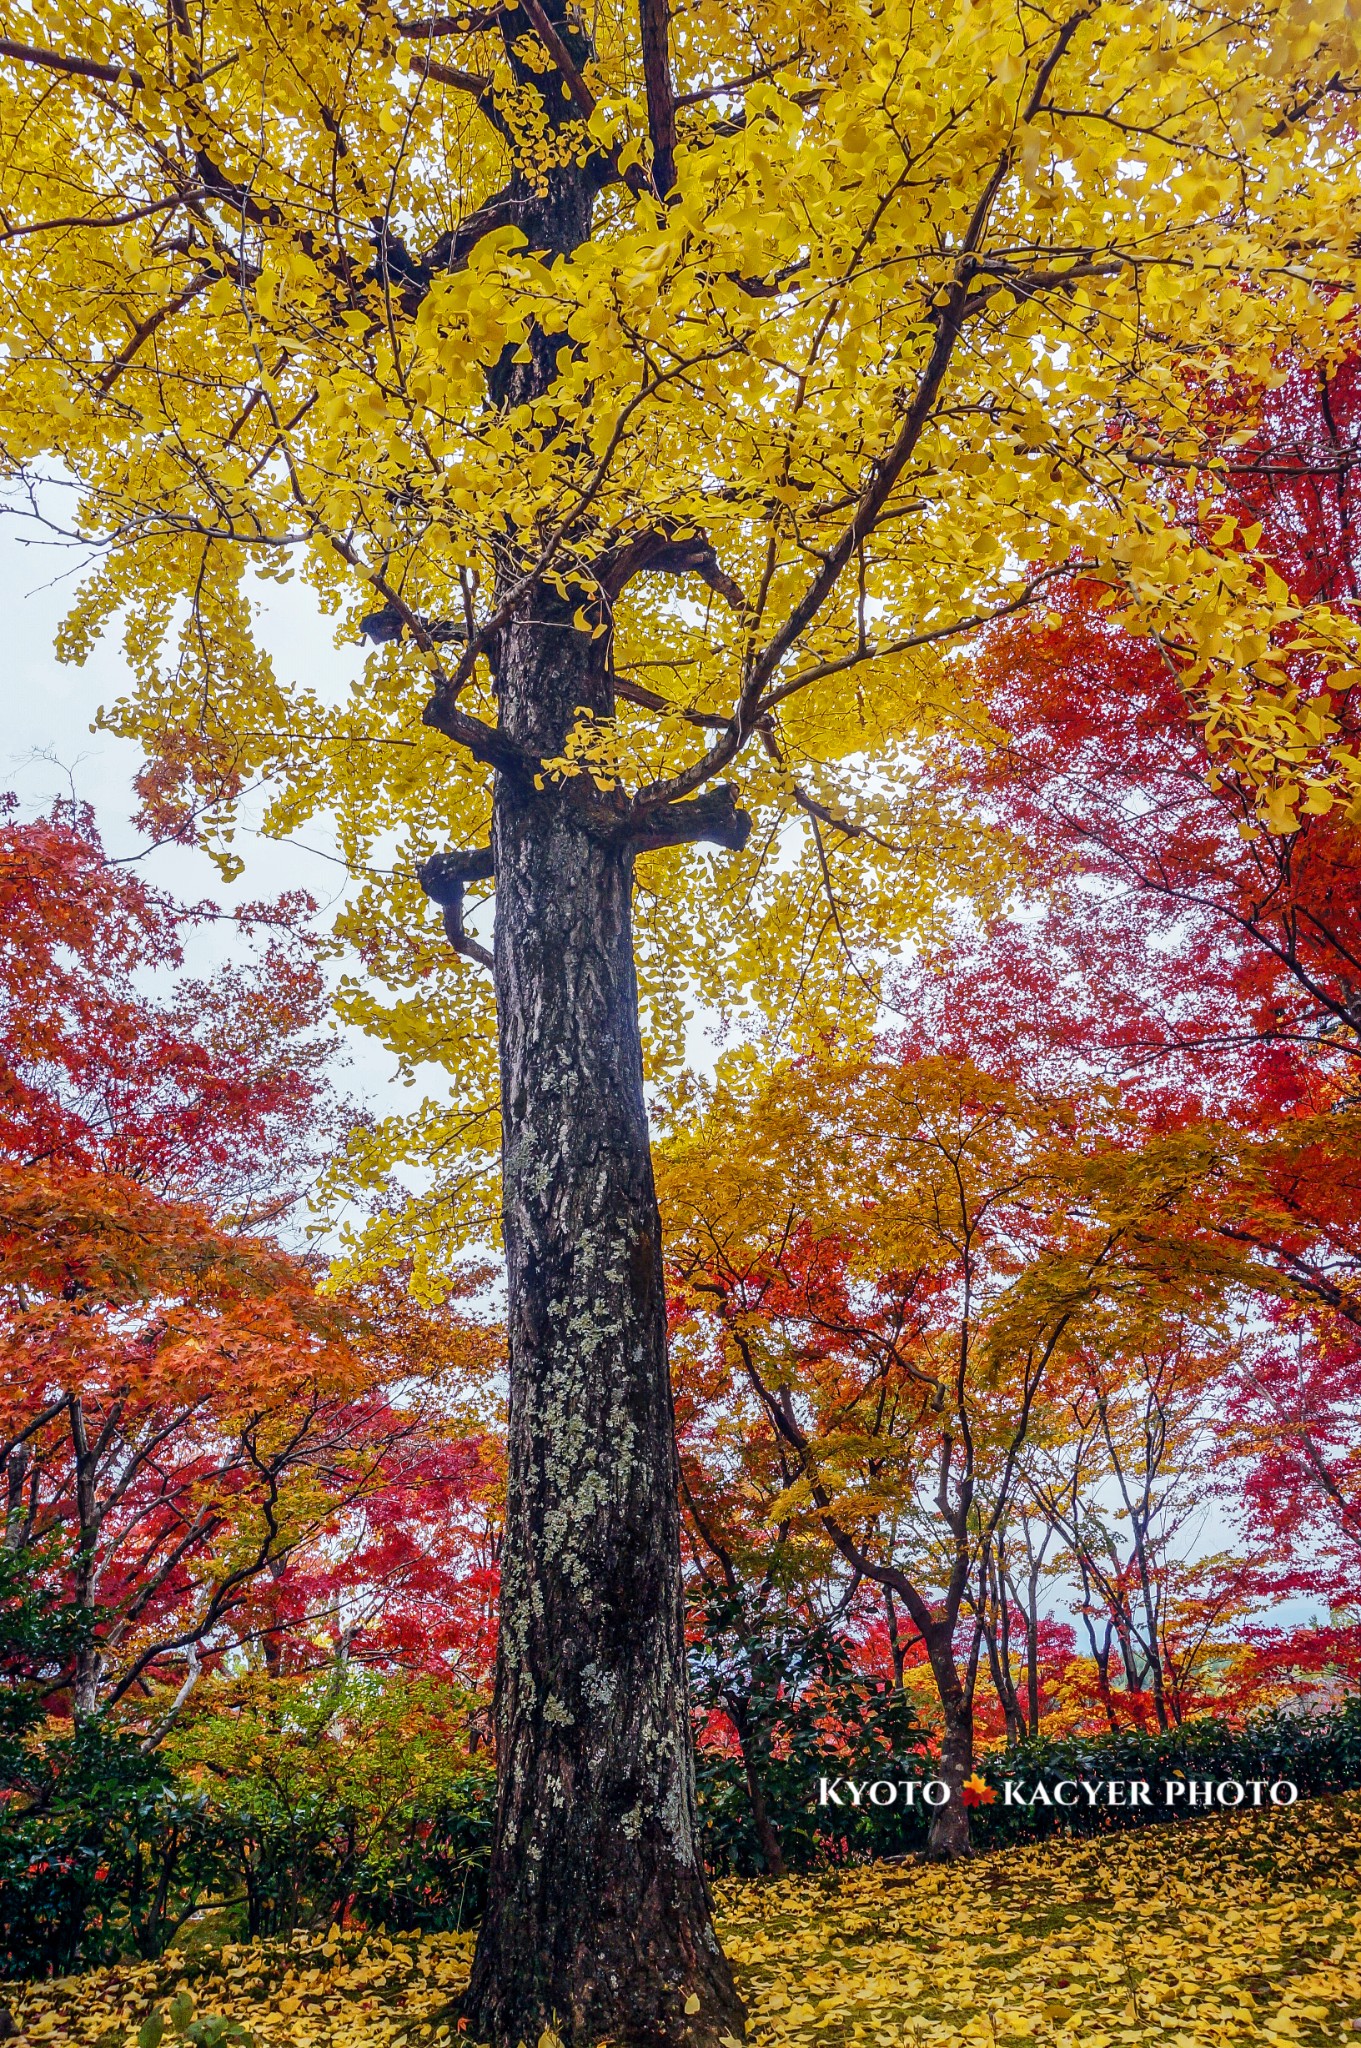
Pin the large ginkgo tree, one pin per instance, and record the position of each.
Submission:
(662, 392)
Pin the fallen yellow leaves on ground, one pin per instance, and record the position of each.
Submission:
(1232, 1929)
(1226, 1930)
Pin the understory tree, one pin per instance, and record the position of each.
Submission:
(659, 394)
(898, 1265)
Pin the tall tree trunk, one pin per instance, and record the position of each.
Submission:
(1101, 1653)
(1032, 1653)
(598, 1923)
(85, 1574)
(1004, 1686)
(998, 1643)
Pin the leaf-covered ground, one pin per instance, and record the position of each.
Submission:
(1236, 1929)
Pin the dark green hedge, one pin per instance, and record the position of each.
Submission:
(1319, 1752)
(113, 1857)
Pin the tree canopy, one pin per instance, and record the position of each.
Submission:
(865, 329)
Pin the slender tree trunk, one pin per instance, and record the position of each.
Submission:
(1032, 1656)
(1004, 1687)
(897, 1648)
(598, 1924)
(998, 1642)
(1150, 1646)
(1101, 1653)
(949, 1835)
(89, 1661)
(767, 1840)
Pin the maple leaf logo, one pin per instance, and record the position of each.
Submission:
(977, 1792)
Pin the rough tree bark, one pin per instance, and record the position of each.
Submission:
(598, 1926)
(949, 1835)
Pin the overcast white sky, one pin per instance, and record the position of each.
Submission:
(47, 750)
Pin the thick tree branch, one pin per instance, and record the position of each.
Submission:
(660, 550)
(714, 817)
(392, 621)
(483, 741)
(73, 67)
(582, 97)
(413, 275)
(655, 22)
(448, 74)
(441, 713)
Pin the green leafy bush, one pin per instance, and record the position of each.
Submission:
(102, 1854)
(342, 1794)
(1315, 1752)
(278, 1803)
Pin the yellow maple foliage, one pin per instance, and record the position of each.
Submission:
(927, 314)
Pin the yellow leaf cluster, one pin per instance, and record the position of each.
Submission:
(930, 315)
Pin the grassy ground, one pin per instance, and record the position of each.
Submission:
(1233, 1929)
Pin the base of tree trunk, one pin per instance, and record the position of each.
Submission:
(950, 1837)
(592, 1976)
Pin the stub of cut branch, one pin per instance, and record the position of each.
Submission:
(713, 817)
(443, 877)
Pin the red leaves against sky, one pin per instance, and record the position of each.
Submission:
(1214, 970)
(227, 1461)
(1171, 938)
(1164, 942)
(204, 1088)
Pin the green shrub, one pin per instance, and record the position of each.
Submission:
(102, 1855)
(787, 1686)
(342, 1794)
(1316, 1752)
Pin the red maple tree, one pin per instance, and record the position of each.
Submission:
(217, 1458)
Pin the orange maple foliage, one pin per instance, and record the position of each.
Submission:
(215, 1457)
